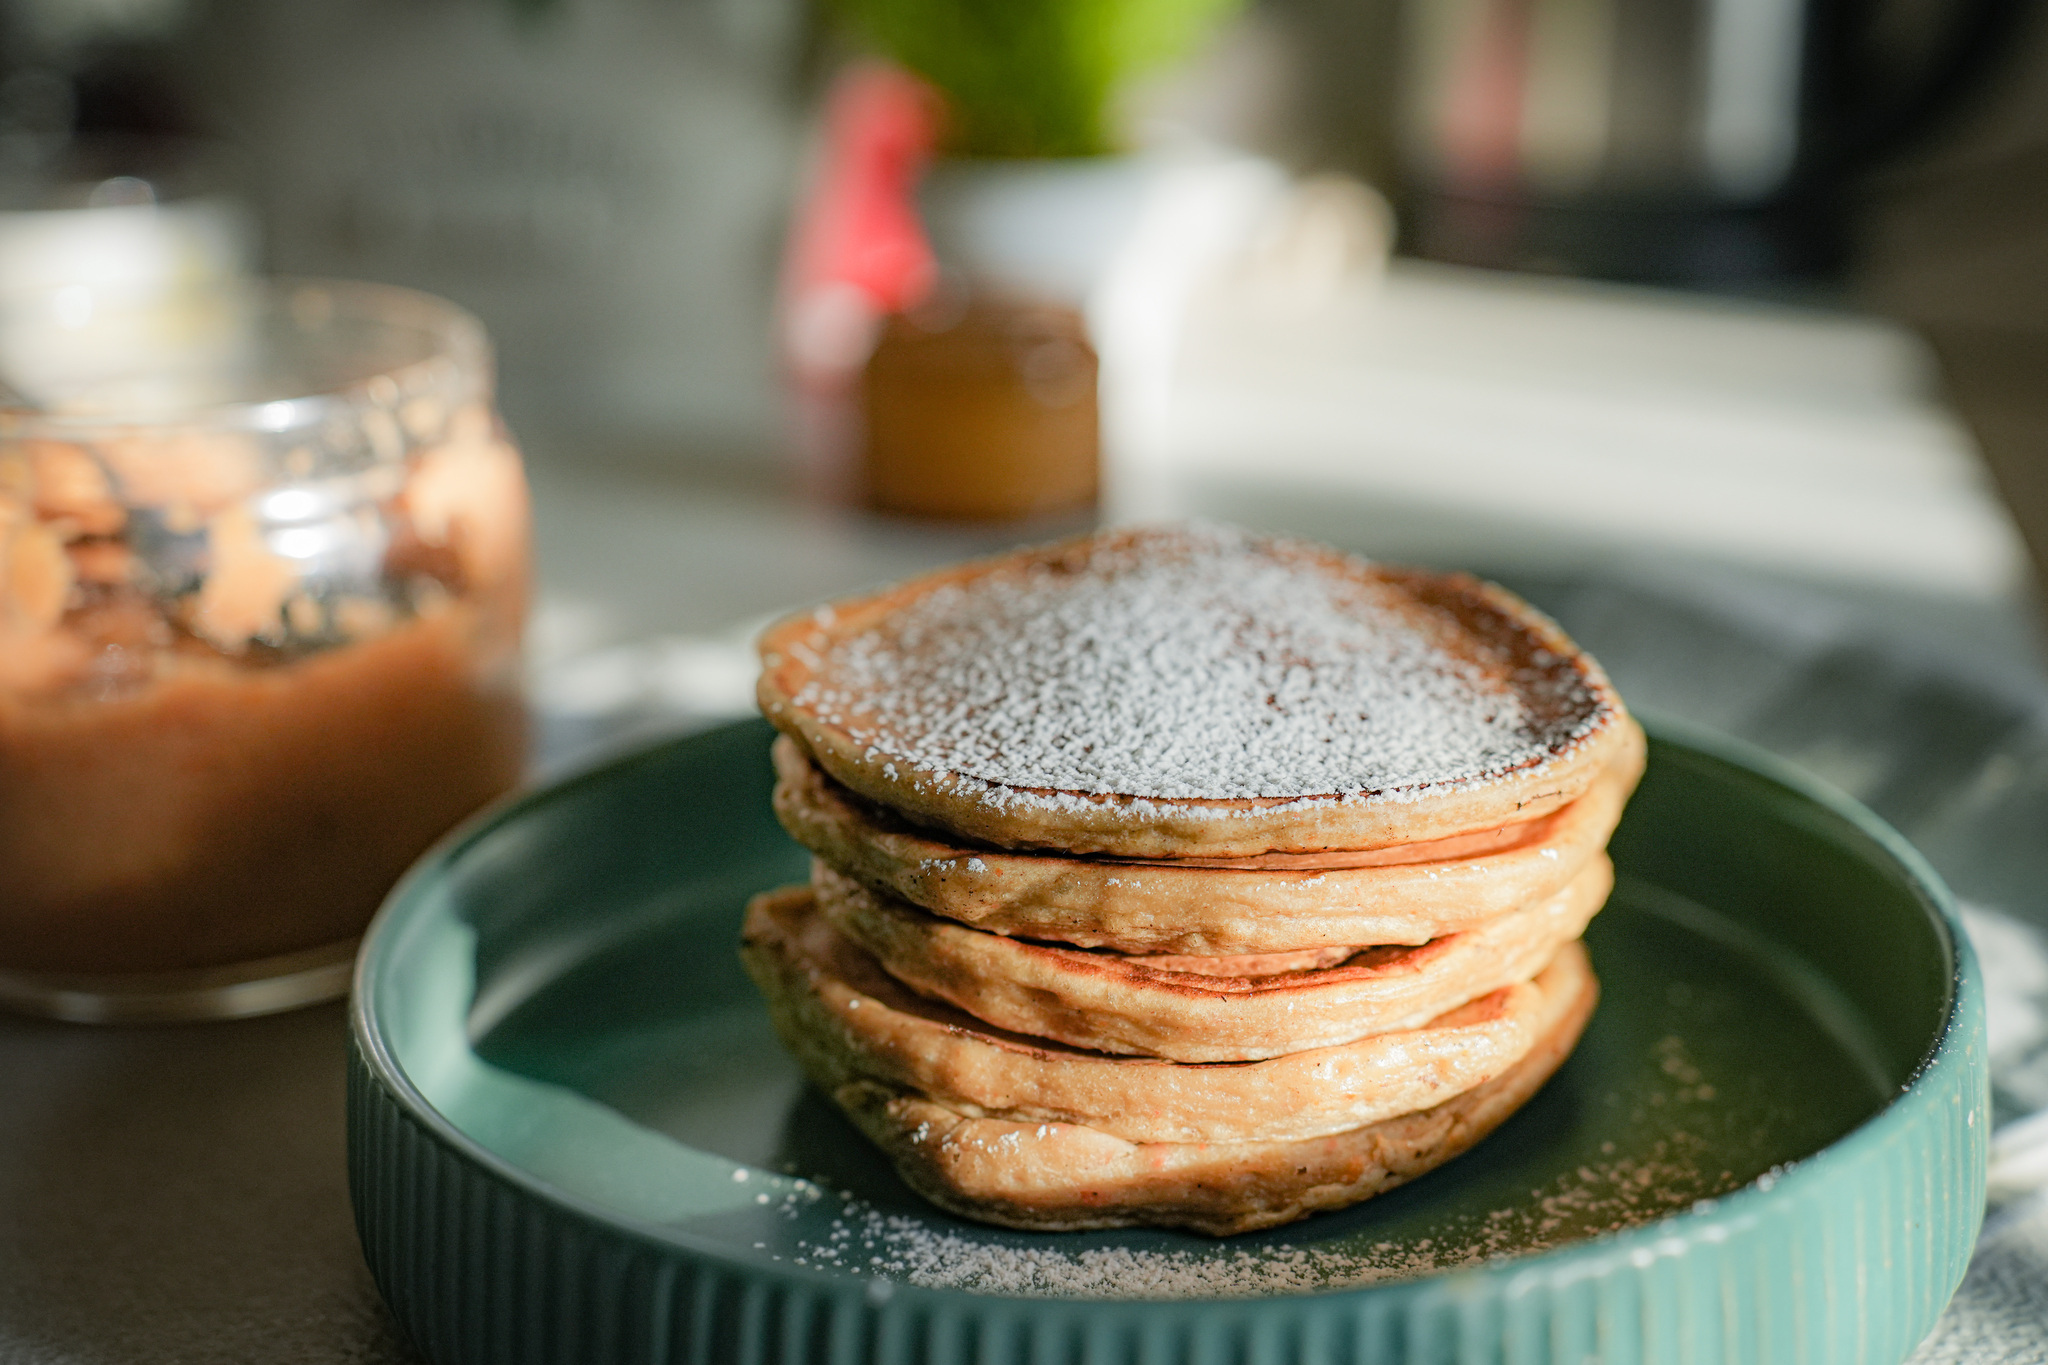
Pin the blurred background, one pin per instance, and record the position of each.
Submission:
(1719, 328)
(611, 184)
(660, 208)
(689, 224)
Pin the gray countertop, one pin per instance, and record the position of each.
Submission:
(179, 1195)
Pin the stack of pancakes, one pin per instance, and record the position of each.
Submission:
(1178, 876)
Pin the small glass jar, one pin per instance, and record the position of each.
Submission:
(263, 575)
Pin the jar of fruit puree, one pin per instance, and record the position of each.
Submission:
(263, 573)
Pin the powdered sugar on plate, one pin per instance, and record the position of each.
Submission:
(1607, 1196)
(1665, 1153)
(868, 1242)
(1191, 663)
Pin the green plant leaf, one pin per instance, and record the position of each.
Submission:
(1032, 78)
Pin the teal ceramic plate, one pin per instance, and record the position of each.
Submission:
(573, 1136)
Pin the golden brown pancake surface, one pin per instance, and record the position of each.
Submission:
(1064, 1177)
(1193, 692)
(1183, 876)
(1181, 907)
(845, 1018)
(1188, 1009)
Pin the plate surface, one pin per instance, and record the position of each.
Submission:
(570, 1122)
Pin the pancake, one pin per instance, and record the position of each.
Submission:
(845, 1019)
(1199, 907)
(1268, 1006)
(1194, 691)
(1065, 1177)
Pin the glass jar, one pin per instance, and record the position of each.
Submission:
(263, 574)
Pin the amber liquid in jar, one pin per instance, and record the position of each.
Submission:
(253, 662)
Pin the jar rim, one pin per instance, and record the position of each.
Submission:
(171, 351)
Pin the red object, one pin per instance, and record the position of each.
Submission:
(1483, 131)
(857, 251)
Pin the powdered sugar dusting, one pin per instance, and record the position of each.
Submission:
(1609, 1195)
(894, 1246)
(1658, 1162)
(1191, 663)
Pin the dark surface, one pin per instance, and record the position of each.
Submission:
(178, 1195)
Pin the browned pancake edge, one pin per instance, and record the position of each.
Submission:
(1534, 656)
(1066, 1178)
(1175, 908)
(1113, 1002)
(846, 1019)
